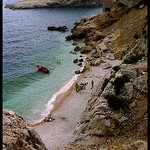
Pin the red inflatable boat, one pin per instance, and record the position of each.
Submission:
(41, 68)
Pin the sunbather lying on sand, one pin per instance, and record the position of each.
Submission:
(49, 119)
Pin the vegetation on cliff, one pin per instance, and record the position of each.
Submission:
(116, 114)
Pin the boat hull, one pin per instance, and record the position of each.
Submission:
(43, 69)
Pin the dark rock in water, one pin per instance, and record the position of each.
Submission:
(72, 52)
(74, 43)
(80, 64)
(86, 50)
(75, 61)
(69, 38)
(77, 48)
(77, 72)
(61, 29)
(81, 60)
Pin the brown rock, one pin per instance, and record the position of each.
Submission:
(77, 72)
(17, 133)
(118, 54)
(77, 48)
(74, 43)
(75, 61)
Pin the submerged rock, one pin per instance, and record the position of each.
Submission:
(75, 60)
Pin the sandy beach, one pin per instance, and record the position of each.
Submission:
(69, 106)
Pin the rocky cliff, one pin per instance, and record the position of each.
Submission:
(53, 3)
(17, 134)
(116, 113)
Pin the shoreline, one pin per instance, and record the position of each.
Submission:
(69, 108)
(56, 104)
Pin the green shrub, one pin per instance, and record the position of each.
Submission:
(133, 59)
(105, 83)
(86, 121)
(112, 76)
(118, 102)
(116, 68)
(83, 130)
(119, 83)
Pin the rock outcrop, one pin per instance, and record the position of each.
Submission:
(99, 119)
(116, 114)
(26, 4)
(17, 134)
(119, 33)
(61, 28)
(117, 109)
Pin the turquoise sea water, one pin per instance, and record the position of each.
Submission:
(26, 43)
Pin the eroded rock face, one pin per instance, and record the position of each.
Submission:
(17, 134)
(122, 31)
(99, 119)
(52, 3)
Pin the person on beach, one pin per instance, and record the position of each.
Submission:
(77, 87)
(84, 85)
(46, 119)
(92, 82)
(81, 88)
(49, 119)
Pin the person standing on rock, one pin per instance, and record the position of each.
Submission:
(92, 82)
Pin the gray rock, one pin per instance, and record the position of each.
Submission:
(128, 90)
(74, 43)
(131, 73)
(80, 64)
(140, 84)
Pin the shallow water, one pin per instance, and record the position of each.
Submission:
(26, 43)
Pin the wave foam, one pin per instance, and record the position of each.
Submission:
(49, 105)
